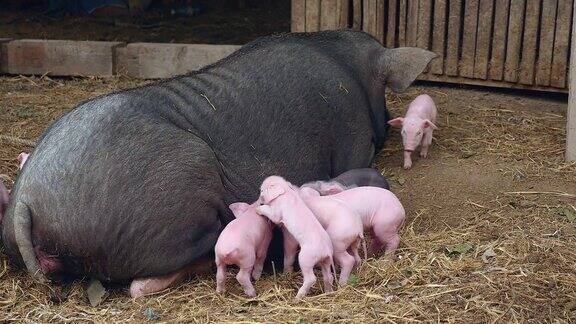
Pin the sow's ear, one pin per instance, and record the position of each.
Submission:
(271, 193)
(400, 66)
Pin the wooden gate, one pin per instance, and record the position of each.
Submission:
(504, 43)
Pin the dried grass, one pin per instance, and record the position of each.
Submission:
(496, 180)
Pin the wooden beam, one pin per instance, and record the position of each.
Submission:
(571, 110)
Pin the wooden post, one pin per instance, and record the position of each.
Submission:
(571, 110)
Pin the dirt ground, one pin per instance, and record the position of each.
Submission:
(495, 192)
(217, 25)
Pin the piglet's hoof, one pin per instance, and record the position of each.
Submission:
(407, 166)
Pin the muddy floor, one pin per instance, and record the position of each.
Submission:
(490, 231)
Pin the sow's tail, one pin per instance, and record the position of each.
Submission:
(23, 236)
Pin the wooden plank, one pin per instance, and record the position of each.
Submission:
(571, 110)
(487, 83)
(561, 38)
(369, 16)
(357, 14)
(424, 18)
(403, 9)
(438, 36)
(312, 15)
(298, 21)
(515, 27)
(499, 39)
(485, 14)
(469, 38)
(547, 28)
(412, 23)
(529, 44)
(59, 57)
(380, 21)
(453, 45)
(328, 15)
(344, 11)
(423, 32)
(392, 22)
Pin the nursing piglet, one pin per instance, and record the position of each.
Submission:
(243, 242)
(350, 179)
(417, 127)
(381, 213)
(283, 205)
(344, 228)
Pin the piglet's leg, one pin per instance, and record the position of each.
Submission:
(243, 278)
(346, 262)
(327, 277)
(392, 243)
(290, 250)
(407, 160)
(354, 251)
(426, 142)
(307, 262)
(220, 277)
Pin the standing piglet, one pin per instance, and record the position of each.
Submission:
(283, 206)
(243, 242)
(348, 180)
(343, 226)
(417, 127)
(381, 213)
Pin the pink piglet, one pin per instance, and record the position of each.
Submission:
(381, 213)
(417, 127)
(282, 204)
(243, 242)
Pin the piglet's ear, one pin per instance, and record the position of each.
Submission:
(428, 123)
(271, 193)
(238, 208)
(396, 122)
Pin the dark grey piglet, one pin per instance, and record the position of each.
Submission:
(365, 177)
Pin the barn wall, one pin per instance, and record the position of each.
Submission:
(504, 43)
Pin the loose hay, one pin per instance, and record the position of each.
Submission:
(494, 162)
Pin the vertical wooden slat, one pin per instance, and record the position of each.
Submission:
(402, 22)
(531, 22)
(423, 32)
(380, 21)
(515, 26)
(560, 57)
(469, 38)
(312, 15)
(344, 10)
(483, 39)
(391, 33)
(438, 36)
(412, 23)
(453, 45)
(548, 26)
(369, 16)
(499, 39)
(424, 17)
(328, 15)
(571, 110)
(357, 14)
(298, 21)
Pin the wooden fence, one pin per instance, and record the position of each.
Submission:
(504, 43)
